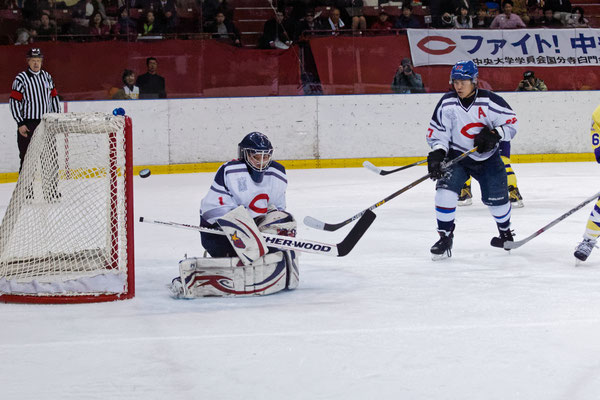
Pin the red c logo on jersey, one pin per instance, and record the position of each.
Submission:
(465, 129)
(449, 48)
(258, 210)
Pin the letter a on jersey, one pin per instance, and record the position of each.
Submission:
(480, 113)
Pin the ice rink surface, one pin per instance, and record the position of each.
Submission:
(384, 322)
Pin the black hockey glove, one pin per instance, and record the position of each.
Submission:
(486, 140)
(434, 163)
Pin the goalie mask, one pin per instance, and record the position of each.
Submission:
(257, 152)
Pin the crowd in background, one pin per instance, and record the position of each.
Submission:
(93, 20)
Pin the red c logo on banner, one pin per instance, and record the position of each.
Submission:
(449, 49)
(258, 210)
(465, 129)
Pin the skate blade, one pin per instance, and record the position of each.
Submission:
(438, 257)
(466, 202)
(517, 204)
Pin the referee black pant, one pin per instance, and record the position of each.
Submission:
(23, 141)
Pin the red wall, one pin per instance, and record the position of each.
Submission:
(207, 68)
(350, 65)
(192, 68)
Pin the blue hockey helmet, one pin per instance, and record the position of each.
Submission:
(464, 70)
(256, 151)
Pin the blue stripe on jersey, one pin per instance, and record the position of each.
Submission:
(494, 98)
(276, 175)
(278, 166)
(445, 210)
(500, 111)
(220, 176)
(596, 208)
(214, 189)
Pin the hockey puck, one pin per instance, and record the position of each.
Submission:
(145, 173)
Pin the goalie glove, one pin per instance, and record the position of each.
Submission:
(434, 163)
(486, 140)
(277, 222)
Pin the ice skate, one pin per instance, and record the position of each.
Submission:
(466, 197)
(443, 247)
(516, 200)
(176, 288)
(584, 249)
(505, 236)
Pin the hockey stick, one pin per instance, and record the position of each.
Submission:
(517, 244)
(316, 224)
(290, 243)
(369, 165)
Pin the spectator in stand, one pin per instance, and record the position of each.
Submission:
(507, 20)
(463, 20)
(577, 20)
(125, 28)
(98, 28)
(493, 10)
(531, 84)
(149, 26)
(383, 23)
(46, 30)
(275, 33)
(561, 8)
(23, 36)
(210, 8)
(223, 29)
(84, 9)
(129, 91)
(334, 21)
(438, 9)
(81, 13)
(308, 23)
(548, 20)
(407, 20)
(406, 80)
(354, 10)
(447, 21)
(482, 19)
(166, 15)
(520, 8)
(152, 85)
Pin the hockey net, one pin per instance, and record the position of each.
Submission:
(67, 233)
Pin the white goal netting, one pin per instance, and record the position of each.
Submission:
(65, 231)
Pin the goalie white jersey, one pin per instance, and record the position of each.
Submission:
(454, 126)
(233, 187)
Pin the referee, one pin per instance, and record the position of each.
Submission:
(33, 95)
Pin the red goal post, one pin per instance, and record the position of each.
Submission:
(67, 233)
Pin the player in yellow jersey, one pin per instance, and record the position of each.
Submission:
(516, 201)
(592, 230)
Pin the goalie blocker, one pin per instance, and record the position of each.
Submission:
(254, 272)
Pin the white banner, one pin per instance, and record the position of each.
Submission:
(506, 48)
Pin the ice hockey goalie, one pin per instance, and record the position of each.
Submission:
(257, 270)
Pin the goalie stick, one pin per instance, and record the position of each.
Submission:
(290, 243)
(369, 165)
(316, 224)
(517, 244)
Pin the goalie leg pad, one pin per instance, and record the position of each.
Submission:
(209, 277)
(293, 272)
(244, 235)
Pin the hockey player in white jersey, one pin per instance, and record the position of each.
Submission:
(254, 181)
(247, 197)
(464, 118)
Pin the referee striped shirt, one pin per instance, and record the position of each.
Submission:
(33, 94)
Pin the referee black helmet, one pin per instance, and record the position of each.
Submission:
(35, 53)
